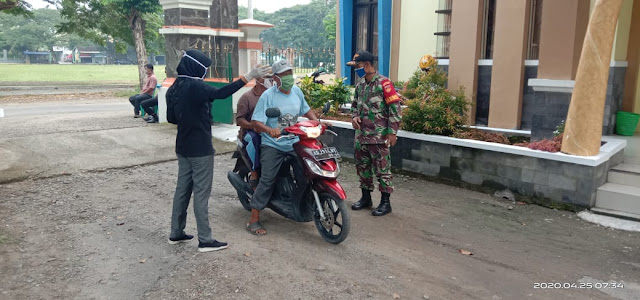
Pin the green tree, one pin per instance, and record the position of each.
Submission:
(36, 32)
(133, 22)
(257, 14)
(329, 23)
(300, 26)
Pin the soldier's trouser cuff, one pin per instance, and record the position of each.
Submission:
(387, 189)
(367, 185)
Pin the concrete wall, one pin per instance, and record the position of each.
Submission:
(484, 94)
(551, 108)
(510, 47)
(559, 63)
(464, 51)
(622, 37)
(541, 179)
(631, 100)
(542, 111)
(417, 16)
(613, 103)
(563, 27)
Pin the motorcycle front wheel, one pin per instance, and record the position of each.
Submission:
(334, 226)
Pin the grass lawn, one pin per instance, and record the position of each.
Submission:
(73, 73)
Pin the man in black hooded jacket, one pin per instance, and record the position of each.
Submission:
(194, 147)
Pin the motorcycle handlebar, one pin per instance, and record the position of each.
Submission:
(331, 131)
(285, 136)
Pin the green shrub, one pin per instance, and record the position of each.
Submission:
(432, 108)
(442, 113)
(312, 92)
(399, 84)
(317, 95)
(420, 83)
(559, 129)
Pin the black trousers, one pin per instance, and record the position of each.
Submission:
(271, 159)
(148, 105)
(136, 100)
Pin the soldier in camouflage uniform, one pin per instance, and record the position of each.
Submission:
(376, 117)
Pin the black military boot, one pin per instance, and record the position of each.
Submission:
(384, 207)
(364, 202)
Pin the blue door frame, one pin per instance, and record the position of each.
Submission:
(346, 36)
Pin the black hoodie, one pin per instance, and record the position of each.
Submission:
(195, 97)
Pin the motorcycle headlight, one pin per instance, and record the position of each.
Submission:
(319, 171)
(312, 132)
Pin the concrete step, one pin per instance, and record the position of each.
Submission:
(618, 197)
(616, 214)
(625, 174)
(624, 177)
(627, 167)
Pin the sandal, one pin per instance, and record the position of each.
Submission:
(254, 227)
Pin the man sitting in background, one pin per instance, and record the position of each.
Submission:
(148, 105)
(146, 92)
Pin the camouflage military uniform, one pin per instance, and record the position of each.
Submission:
(377, 120)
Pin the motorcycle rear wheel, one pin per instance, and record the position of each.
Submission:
(335, 228)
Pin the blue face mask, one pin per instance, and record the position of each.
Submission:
(360, 72)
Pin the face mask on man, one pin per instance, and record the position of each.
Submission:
(267, 83)
(360, 72)
(286, 82)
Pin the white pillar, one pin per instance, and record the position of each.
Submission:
(162, 104)
(250, 46)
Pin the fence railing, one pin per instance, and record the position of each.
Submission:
(12, 59)
(303, 60)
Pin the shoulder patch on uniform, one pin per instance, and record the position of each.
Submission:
(389, 92)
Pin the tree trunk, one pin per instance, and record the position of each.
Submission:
(137, 25)
(583, 128)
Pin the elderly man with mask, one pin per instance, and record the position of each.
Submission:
(251, 139)
(290, 100)
(193, 144)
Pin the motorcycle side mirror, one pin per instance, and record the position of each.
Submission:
(326, 108)
(273, 112)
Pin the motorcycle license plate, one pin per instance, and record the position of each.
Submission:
(325, 153)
